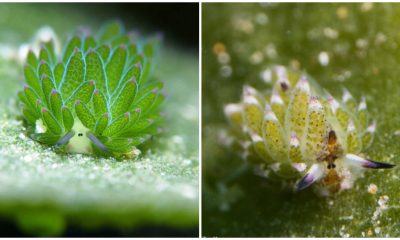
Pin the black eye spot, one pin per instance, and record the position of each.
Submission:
(331, 165)
(284, 86)
(80, 134)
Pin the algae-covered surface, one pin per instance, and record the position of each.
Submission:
(340, 45)
(44, 193)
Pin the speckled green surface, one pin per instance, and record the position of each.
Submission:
(361, 42)
(44, 192)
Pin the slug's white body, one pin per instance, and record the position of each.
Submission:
(299, 129)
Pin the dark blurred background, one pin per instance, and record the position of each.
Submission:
(178, 21)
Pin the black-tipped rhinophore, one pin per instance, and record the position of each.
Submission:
(373, 164)
(306, 181)
(365, 163)
(64, 139)
(97, 142)
(314, 174)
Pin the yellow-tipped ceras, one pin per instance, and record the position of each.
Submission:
(298, 130)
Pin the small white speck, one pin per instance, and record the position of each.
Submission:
(40, 127)
(257, 57)
(270, 51)
(190, 112)
(242, 25)
(262, 18)
(361, 43)
(383, 200)
(28, 158)
(300, 167)
(351, 127)
(275, 167)
(372, 189)
(106, 167)
(276, 98)
(231, 108)
(226, 71)
(224, 57)
(380, 38)
(187, 162)
(330, 33)
(266, 75)
(363, 104)
(323, 58)
(22, 136)
(367, 6)
(177, 140)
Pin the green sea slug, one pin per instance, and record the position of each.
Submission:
(299, 131)
(98, 96)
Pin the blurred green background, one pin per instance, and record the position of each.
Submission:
(47, 194)
(338, 44)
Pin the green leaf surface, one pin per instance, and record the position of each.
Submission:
(58, 73)
(104, 51)
(101, 123)
(56, 104)
(68, 118)
(74, 74)
(88, 43)
(30, 115)
(110, 31)
(83, 93)
(32, 80)
(47, 87)
(99, 103)
(84, 114)
(95, 70)
(115, 67)
(51, 122)
(117, 125)
(74, 42)
(45, 138)
(32, 59)
(49, 45)
(120, 144)
(146, 101)
(44, 55)
(31, 96)
(44, 69)
(124, 99)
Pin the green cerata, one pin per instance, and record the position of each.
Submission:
(98, 96)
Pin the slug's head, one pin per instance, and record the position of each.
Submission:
(335, 171)
(80, 140)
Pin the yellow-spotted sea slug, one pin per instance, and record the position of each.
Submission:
(299, 131)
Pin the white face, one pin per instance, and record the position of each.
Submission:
(345, 175)
(79, 143)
